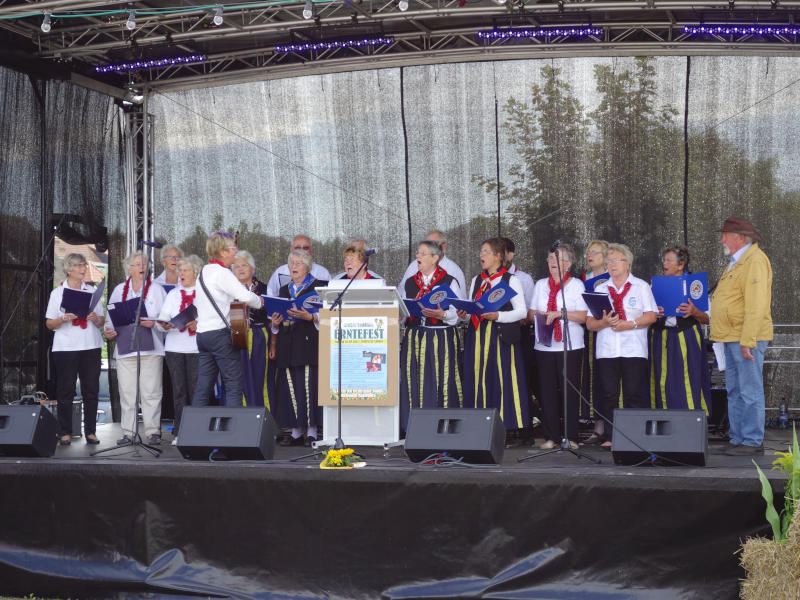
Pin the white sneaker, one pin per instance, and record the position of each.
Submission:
(175, 442)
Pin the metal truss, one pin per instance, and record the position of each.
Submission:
(138, 140)
(243, 47)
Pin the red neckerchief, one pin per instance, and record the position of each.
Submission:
(552, 305)
(216, 262)
(436, 277)
(186, 301)
(366, 276)
(127, 287)
(78, 322)
(616, 299)
(485, 285)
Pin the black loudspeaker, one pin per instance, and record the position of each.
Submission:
(237, 433)
(678, 435)
(27, 431)
(475, 434)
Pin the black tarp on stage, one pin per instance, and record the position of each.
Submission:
(553, 528)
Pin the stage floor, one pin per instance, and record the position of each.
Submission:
(121, 525)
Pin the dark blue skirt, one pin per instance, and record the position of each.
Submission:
(494, 375)
(679, 373)
(297, 390)
(259, 371)
(430, 376)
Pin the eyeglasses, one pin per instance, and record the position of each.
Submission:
(613, 261)
(424, 254)
(301, 248)
(483, 252)
(172, 257)
(593, 252)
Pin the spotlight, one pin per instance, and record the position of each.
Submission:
(402, 5)
(308, 11)
(131, 22)
(500, 2)
(46, 22)
(218, 16)
(134, 96)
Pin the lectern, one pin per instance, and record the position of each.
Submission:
(370, 363)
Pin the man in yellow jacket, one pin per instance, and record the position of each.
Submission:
(741, 319)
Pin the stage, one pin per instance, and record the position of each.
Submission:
(125, 526)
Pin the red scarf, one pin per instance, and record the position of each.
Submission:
(216, 262)
(186, 301)
(616, 299)
(552, 305)
(77, 322)
(127, 287)
(485, 285)
(437, 276)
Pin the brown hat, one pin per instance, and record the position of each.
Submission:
(740, 225)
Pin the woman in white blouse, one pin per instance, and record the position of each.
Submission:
(152, 360)
(548, 303)
(180, 345)
(76, 352)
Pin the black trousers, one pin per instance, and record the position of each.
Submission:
(550, 391)
(69, 366)
(633, 375)
(183, 373)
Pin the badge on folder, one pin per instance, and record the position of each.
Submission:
(491, 301)
(438, 295)
(670, 291)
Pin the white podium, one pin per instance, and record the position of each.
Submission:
(370, 363)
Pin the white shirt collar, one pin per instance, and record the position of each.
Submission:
(737, 255)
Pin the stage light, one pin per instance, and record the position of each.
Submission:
(759, 30)
(134, 96)
(131, 22)
(539, 32)
(499, 2)
(218, 16)
(46, 22)
(402, 5)
(352, 43)
(308, 11)
(150, 64)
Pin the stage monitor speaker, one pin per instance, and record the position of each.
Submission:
(27, 430)
(674, 434)
(246, 433)
(475, 435)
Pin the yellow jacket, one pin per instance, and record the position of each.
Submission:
(740, 306)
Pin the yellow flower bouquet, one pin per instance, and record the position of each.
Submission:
(339, 459)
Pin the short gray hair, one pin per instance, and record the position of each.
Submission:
(434, 247)
(565, 252)
(248, 257)
(169, 247)
(128, 260)
(302, 254)
(624, 250)
(440, 234)
(193, 261)
(72, 260)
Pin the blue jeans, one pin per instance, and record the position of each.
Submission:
(216, 355)
(745, 384)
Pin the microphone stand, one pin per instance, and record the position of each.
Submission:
(565, 447)
(339, 444)
(136, 440)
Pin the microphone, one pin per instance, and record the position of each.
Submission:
(370, 252)
(149, 243)
(555, 245)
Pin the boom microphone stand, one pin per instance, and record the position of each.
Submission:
(567, 345)
(339, 444)
(136, 440)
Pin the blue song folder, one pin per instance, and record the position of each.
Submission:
(180, 320)
(439, 295)
(670, 291)
(81, 303)
(544, 332)
(597, 303)
(491, 301)
(591, 284)
(309, 301)
(124, 313)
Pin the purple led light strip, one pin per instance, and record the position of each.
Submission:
(496, 34)
(741, 30)
(150, 64)
(354, 43)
